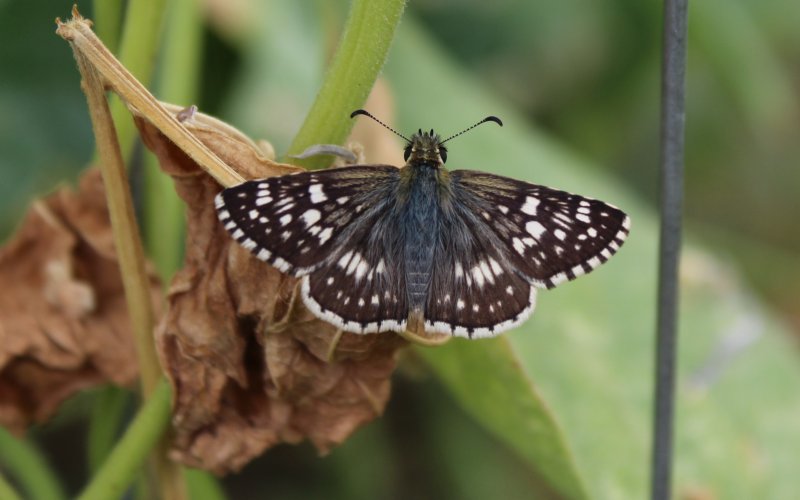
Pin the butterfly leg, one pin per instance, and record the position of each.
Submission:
(415, 331)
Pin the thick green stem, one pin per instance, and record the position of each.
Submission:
(7, 491)
(138, 49)
(108, 20)
(108, 410)
(358, 60)
(130, 454)
(180, 68)
(27, 465)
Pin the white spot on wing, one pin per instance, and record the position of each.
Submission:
(361, 269)
(530, 205)
(496, 269)
(311, 216)
(487, 273)
(317, 195)
(535, 228)
(560, 234)
(478, 275)
(286, 219)
(353, 263)
(325, 235)
(518, 246)
(345, 259)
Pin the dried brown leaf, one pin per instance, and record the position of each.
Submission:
(250, 365)
(65, 324)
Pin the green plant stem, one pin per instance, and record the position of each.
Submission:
(138, 48)
(7, 491)
(27, 465)
(107, 19)
(203, 486)
(163, 210)
(365, 43)
(108, 410)
(130, 453)
(124, 228)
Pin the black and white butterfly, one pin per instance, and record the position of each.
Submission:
(381, 248)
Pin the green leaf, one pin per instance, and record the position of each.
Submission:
(589, 346)
(359, 58)
(489, 382)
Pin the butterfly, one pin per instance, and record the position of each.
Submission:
(420, 248)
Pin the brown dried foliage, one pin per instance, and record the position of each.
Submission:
(65, 324)
(251, 367)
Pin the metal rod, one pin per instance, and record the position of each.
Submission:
(672, 138)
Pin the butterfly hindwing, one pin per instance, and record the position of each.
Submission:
(475, 291)
(361, 290)
(549, 236)
(295, 221)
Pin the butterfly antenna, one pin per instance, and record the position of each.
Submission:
(367, 113)
(487, 119)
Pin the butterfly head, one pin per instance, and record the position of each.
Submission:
(425, 147)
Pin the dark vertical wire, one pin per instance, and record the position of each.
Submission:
(673, 72)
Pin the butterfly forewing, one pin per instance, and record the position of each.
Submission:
(549, 236)
(295, 222)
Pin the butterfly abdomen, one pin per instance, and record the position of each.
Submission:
(421, 227)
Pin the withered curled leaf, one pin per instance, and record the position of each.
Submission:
(65, 324)
(251, 367)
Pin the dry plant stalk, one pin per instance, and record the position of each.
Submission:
(250, 366)
(124, 228)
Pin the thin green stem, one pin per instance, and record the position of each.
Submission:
(131, 452)
(359, 58)
(108, 20)
(138, 48)
(108, 410)
(203, 486)
(179, 76)
(27, 465)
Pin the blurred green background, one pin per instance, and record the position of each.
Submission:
(577, 85)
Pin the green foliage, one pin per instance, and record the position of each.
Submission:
(559, 408)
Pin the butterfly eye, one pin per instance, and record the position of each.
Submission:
(407, 152)
(443, 154)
